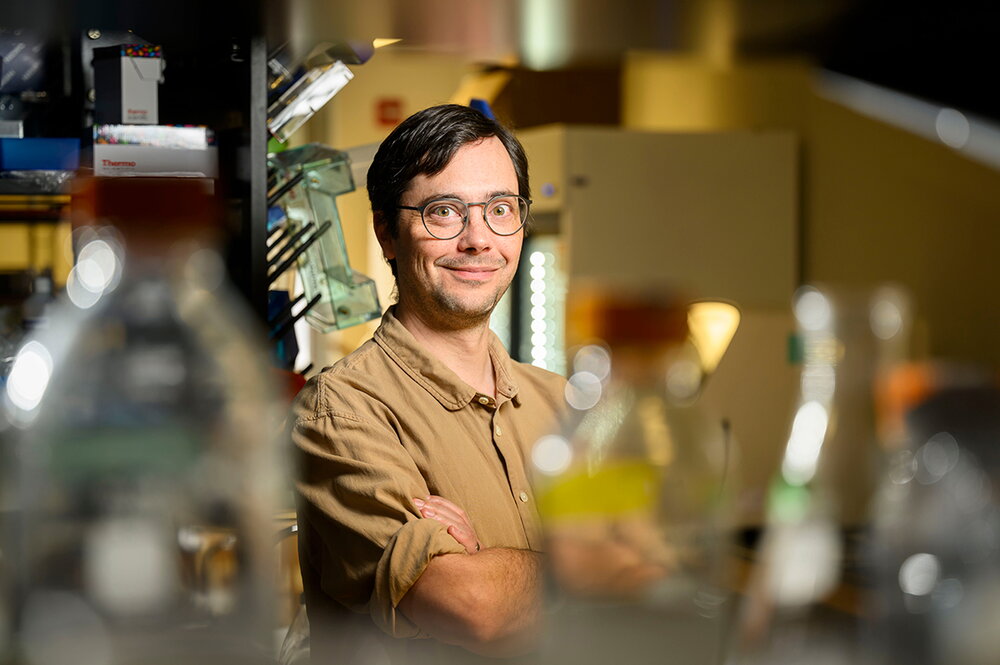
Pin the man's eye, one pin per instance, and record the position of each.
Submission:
(501, 210)
(443, 211)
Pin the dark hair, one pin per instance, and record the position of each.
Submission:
(424, 144)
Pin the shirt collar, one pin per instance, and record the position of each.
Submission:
(432, 374)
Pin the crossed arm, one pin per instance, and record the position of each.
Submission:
(486, 600)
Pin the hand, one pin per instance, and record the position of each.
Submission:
(452, 516)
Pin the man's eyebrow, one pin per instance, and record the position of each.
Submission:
(452, 195)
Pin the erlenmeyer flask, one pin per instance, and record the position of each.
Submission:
(806, 600)
(145, 471)
(631, 495)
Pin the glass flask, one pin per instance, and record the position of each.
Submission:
(936, 549)
(631, 495)
(145, 472)
(808, 595)
(311, 178)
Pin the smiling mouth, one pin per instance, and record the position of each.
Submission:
(471, 272)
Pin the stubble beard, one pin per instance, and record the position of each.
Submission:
(458, 313)
(450, 311)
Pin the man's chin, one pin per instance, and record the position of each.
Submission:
(468, 311)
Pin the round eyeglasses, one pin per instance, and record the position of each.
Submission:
(446, 218)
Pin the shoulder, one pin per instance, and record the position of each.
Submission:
(537, 383)
(346, 385)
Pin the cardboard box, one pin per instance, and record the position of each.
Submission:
(126, 84)
(158, 150)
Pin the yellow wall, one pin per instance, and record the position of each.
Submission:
(885, 205)
(685, 93)
(879, 204)
(418, 80)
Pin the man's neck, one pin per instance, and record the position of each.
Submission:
(464, 351)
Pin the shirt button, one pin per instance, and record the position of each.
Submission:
(499, 431)
(523, 496)
(484, 400)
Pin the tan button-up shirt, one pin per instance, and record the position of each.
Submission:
(389, 423)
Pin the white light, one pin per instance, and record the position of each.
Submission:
(77, 293)
(919, 574)
(818, 383)
(583, 391)
(537, 285)
(538, 299)
(538, 313)
(539, 326)
(98, 267)
(552, 455)
(537, 259)
(545, 35)
(937, 457)
(683, 379)
(538, 353)
(540, 363)
(812, 310)
(539, 339)
(805, 443)
(886, 319)
(593, 359)
(952, 128)
(538, 272)
(29, 377)
(90, 275)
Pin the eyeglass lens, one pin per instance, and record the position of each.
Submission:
(504, 215)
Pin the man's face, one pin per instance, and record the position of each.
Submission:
(455, 283)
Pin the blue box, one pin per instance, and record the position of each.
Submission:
(39, 154)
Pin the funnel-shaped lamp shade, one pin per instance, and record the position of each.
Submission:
(712, 325)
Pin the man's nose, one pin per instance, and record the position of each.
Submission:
(476, 235)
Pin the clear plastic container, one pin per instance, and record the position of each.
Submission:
(146, 470)
(321, 174)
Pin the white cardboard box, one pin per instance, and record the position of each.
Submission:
(127, 79)
(155, 150)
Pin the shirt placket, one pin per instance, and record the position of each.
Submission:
(517, 479)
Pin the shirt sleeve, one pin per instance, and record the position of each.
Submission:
(356, 485)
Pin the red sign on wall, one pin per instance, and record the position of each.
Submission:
(389, 111)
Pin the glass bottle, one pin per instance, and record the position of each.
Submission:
(145, 472)
(631, 494)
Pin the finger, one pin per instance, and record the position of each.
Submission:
(465, 539)
(442, 502)
(430, 513)
(443, 507)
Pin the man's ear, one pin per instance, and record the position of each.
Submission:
(385, 239)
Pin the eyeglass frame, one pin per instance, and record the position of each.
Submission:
(465, 218)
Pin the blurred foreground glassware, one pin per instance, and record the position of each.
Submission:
(308, 181)
(808, 592)
(936, 549)
(145, 472)
(631, 496)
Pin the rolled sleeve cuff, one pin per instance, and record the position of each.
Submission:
(405, 557)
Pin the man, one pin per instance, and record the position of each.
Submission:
(415, 505)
